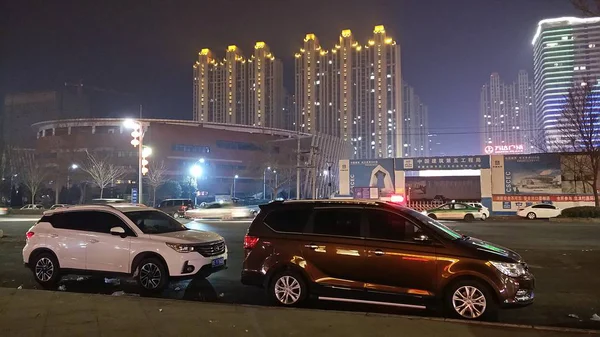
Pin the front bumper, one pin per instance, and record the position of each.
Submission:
(520, 291)
(204, 271)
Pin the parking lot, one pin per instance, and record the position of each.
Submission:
(563, 256)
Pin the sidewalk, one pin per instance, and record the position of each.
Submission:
(46, 313)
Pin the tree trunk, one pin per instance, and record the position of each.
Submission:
(595, 188)
(153, 196)
(101, 192)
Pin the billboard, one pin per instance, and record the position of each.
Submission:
(532, 174)
(373, 173)
(443, 163)
(504, 149)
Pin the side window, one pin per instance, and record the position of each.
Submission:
(89, 221)
(389, 226)
(291, 220)
(338, 222)
(170, 203)
(537, 206)
(445, 207)
(460, 206)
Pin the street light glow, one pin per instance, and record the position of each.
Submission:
(201, 160)
(74, 166)
(269, 168)
(131, 124)
(325, 172)
(236, 176)
(196, 171)
(146, 151)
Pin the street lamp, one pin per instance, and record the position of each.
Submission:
(265, 181)
(234, 179)
(73, 167)
(272, 196)
(137, 141)
(196, 171)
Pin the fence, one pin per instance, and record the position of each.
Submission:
(425, 205)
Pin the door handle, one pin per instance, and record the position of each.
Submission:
(311, 246)
(379, 252)
(93, 241)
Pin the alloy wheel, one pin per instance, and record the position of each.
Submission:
(287, 290)
(150, 276)
(469, 302)
(44, 269)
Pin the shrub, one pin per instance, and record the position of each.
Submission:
(581, 212)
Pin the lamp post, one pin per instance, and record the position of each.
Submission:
(273, 197)
(137, 141)
(265, 181)
(196, 172)
(234, 179)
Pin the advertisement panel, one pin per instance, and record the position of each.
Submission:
(376, 173)
(532, 174)
(443, 163)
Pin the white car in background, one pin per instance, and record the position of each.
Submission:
(485, 212)
(543, 211)
(222, 211)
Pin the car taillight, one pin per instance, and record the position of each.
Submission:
(250, 241)
(29, 235)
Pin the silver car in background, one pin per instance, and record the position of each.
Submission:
(222, 211)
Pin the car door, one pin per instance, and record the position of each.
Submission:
(459, 211)
(106, 252)
(443, 212)
(67, 240)
(540, 211)
(334, 247)
(396, 262)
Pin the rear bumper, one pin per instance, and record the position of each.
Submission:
(253, 278)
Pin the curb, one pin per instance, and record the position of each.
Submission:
(408, 317)
(579, 220)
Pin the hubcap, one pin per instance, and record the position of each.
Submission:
(44, 269)
(469, 302)
(287, 290)
(531, 215)
(150, 276)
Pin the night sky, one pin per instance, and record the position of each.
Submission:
(147, 48)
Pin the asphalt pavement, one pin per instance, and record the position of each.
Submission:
(564, 258)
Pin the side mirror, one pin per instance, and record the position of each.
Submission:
(421, 238)
(117, 231)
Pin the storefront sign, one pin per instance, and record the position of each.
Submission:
(504, 149)
(541, 198)
(443, 163)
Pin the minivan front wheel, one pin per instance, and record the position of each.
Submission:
(288, 289)
(471, 300)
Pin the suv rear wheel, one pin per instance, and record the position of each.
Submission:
(288, 288)
(472, 300)
(152, 274)
(46, 270)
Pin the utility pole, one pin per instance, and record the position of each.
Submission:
(298, 170)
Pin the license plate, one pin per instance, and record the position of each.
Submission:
(218, 262)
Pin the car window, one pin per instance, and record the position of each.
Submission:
(390, 226)
(444, 207)
(154, 222)
(460, 206)
(338, 222)
(89, 221)
(291, 220)
(214, 206)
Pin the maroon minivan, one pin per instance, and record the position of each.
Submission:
(379, 253)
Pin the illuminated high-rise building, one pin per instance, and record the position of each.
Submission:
(239, 90)
(415, 124)
(566, 52)
(508, 115)
(352, 91)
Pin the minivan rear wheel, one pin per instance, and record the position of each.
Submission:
(472, 300)
(288, 289)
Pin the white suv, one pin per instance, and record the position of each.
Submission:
(129, 240)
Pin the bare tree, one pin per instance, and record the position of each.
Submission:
(156, 177)
(587, 7)
(102, 172)
(33, 174)
(579, 135)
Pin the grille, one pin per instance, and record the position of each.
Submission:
(211, 249)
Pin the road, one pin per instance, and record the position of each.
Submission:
(563, 256)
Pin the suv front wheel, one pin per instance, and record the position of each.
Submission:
(46, 270)
(152, 275)
(470, 299)
(288, 289)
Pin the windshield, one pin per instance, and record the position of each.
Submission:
(154, 222)
(437, 226)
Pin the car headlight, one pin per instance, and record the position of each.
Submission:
(180, 248)
(424, 212)
(510, 269)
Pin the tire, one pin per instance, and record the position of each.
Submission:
(46, 270)
(469, 217)
(152, 275)
(531, 216)
(482, 303)
(297, 291)
(176, 215)
(483, 217)
(432, 216)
